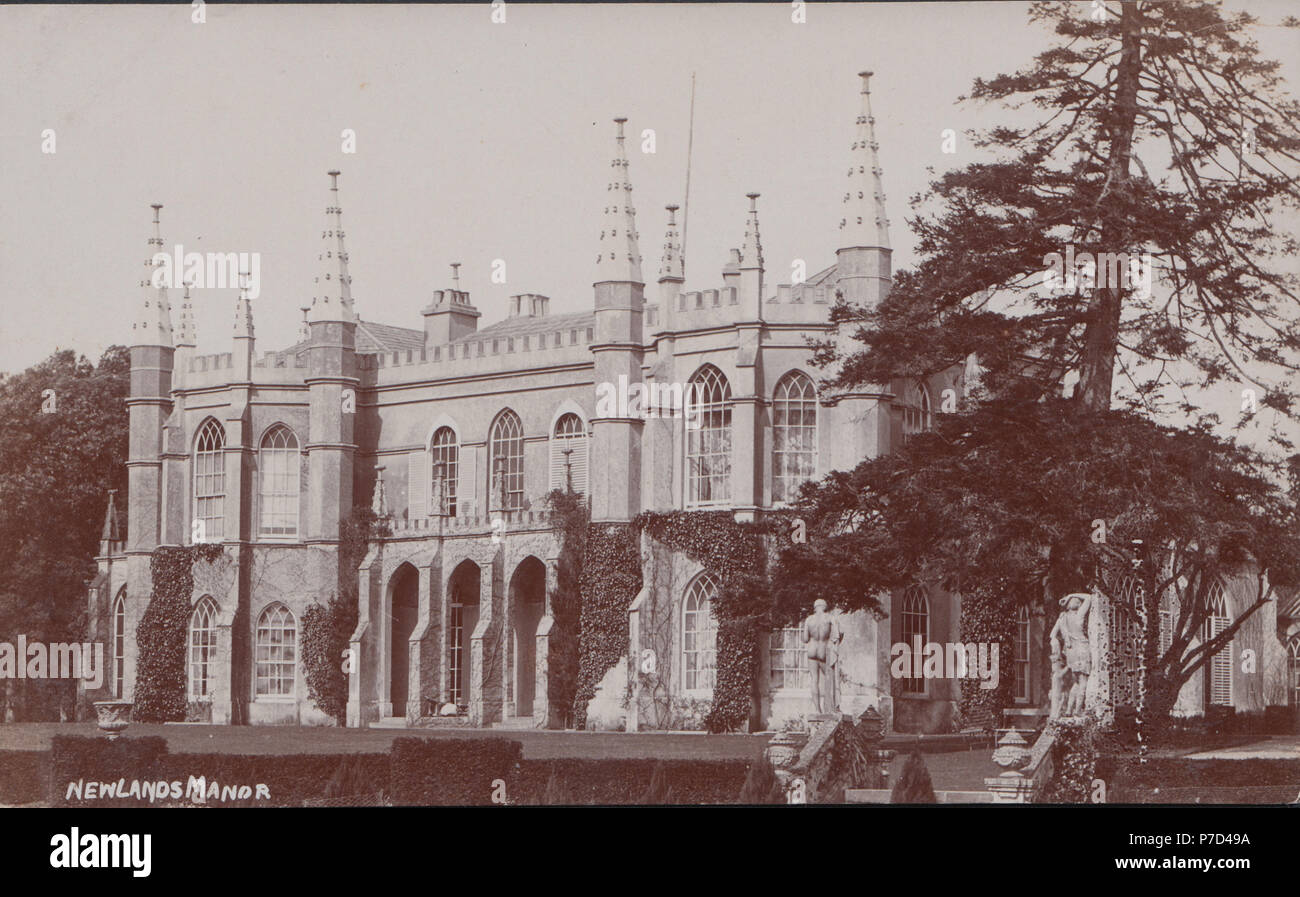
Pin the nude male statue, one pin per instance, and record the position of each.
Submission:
(822, 636)
(1069, 640)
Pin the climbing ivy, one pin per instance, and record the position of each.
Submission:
(327, 628)
(738, 554)
(160, 675)
(988, 616)
(570, 521)
(610, 580)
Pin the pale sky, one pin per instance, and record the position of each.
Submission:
(475, 141)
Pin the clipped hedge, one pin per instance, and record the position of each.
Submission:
(1180, 780)
(625, 781)
(452, 771)
(75, 758)
(417, 771)
(290, 779)
(24, 776)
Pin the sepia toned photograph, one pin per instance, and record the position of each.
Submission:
(691, 404)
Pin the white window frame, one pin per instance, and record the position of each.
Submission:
(209, 460)
(506, 440)
(202, 654)
(268, 457)
(785, 400)
(275, 674)
(699, 620)
(777, 648)
(710, 396)
(119, 643)
(448, 453)
(907, 617)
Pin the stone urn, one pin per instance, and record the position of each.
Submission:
(114, 716)
(784, 747)
(1013, 752)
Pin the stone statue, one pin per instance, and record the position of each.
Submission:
(1071, 656)
(822, 636)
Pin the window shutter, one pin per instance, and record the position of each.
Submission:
(465, 491)
(579, 458)
(417, 484)
(1220, 666)
(577, 461)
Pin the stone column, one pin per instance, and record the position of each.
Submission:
(415, 666)
(544, 715)
(486, 648)
(222, 686)
(361, 682)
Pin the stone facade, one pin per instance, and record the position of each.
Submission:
(269, 455)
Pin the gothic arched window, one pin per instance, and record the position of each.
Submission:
(708, 439)
(915, 620)
(699, 635)
(203, 649)
(569, 454)
(1021, 659)
(275, 652)
(209, 483)
(446, 452)
(1293, 668)
(280, 470)
(119, 642)
(1218, 672)
(794, 435)
(917, 416)
(507, 444)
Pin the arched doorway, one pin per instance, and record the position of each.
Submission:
(527, 604)
(405, 611)
(462, 617)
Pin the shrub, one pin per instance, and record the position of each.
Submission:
(457, 771)
(659, 791)
(74, 758)
(761, 784)
(623, 781)
(557, 793)
(24, 776)
(290, 779)
(1074, 761)
(913, 785)
(351, 778)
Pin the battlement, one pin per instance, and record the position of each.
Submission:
(480, 524)
(488, 353)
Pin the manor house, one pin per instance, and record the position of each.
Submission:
(457, 431)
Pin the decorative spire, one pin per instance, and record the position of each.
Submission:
(619, 259)
(864, 223)
(671, 267)
(112, 529)
(189, 333)
(243, 310)
(333, 299)
(153, 323)
(304, 329)
(752, 252)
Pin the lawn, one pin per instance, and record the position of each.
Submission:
(538, 745)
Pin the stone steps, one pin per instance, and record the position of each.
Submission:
(515, 724)
(389, 722)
